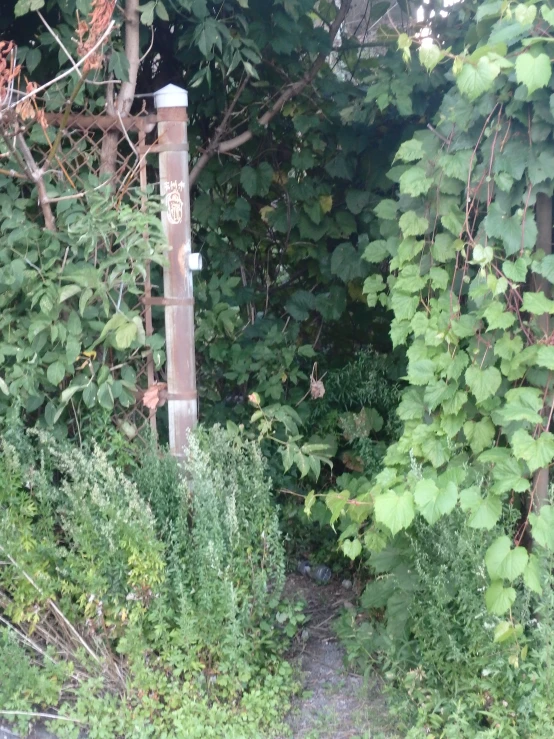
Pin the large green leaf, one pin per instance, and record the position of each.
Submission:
(537, 303)
(537, 452)
(415, 182)
(429, 56)
(412, 225)
(433, 501)
(542, 526)
(485, 512)
(336, 503)
(26, 6)
(257, 180)
(55, 372)
(532, 576)
(545, 357)
(410, 151)
(503, 562)
(514, 231)
(483, 383)
(499, 599)
(357, 200)
(480, 434)
(300, 304)
(387, 210)
(346, 262)
(421, 372)
(533, 71)
(522, 404)
(395, 511)
(477, 78)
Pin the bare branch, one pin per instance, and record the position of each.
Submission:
(67, 72)
(132, 52)
(216, 146)
(60, 43)
(36, 175)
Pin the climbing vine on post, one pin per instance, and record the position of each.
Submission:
(468, 239)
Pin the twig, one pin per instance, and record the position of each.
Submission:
(60, 42)
(27, 640)
(51, 604)
(61, 76)
(42, 715)
(36, 174)
(124, 129)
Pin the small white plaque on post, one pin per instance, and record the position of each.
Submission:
(195, 262)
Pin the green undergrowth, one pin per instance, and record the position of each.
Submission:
(453, 669)
(145, 604)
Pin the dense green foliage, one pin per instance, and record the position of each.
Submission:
(463, 497)
(69, 301)
(412, 187)
(166, 591)
(461, 239)
(450, 670)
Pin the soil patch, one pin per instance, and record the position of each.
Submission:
(336, 703)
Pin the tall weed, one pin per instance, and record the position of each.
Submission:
(148, 604)
(450, 670)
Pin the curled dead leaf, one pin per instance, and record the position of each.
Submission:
(155, 396)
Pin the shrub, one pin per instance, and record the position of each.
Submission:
(146, 603)
(456, 670)
(224, 551)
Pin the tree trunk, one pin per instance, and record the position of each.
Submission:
(122, 106)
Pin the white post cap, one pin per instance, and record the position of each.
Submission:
(171, 96)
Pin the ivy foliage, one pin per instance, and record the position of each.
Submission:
(469, 287)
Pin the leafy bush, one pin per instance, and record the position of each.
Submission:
(359, 409)
(224, 552)
(151, 603)
(457, 670)
(76, 328)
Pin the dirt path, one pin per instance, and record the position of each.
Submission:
(336, 704)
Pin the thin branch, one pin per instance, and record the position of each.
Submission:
(60, 42)
(220, 131)
(36, 175)
(217, 146)
(41, 715)
(67, 72)
(132, 48)
(52, 605)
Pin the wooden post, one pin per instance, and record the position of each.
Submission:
(171, 104)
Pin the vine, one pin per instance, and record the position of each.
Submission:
(468, 243)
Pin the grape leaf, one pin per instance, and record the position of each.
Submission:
(475, 79)
(536, 452)
(412, 225)
(532, 575)
(543, 526)
(395, 511)
(537, 303)
(434, 502)
(533, 71)
(499, 599)
(503, 562)
(483, 383)
(429, 56)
